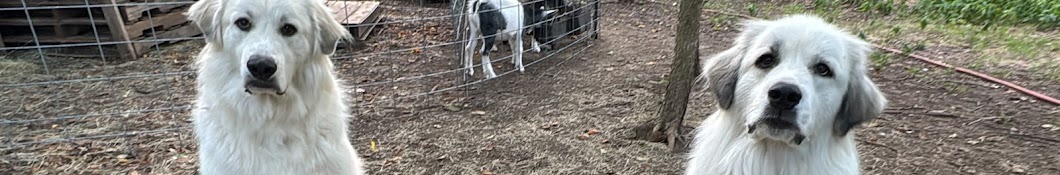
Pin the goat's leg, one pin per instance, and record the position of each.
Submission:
(483, 47)
(517, 49)
(488, 42)
(469, 50)
(534, 45)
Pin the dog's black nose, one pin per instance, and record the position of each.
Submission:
(261, 67)
(784, 96)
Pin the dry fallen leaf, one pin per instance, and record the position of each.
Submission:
(391, 161)
(977, 140)
(478, 112)
(451, 107)
(872, 124)
(548, 126)
(122, 158)
(583, 136)
(1015, 168)
(373, 147)
(593, 131)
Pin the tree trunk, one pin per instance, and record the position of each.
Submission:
(667, 127)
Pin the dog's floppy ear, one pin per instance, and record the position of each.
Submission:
(206, 14)
(720, 72)
(863, 101)
(330, 32)
(720, 75)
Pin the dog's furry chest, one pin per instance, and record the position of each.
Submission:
(233, 142)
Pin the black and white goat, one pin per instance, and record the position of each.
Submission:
(497, 20)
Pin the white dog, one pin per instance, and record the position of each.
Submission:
(789, 91)
(268, 101)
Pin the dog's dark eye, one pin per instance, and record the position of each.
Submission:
(288, 30)
(243, 24)
(822, 70)
(766, 61)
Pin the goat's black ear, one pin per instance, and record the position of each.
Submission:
(206, 14)
(863, 101)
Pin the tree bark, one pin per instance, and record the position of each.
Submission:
(667, 127)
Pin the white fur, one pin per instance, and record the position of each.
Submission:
(512, 10)
(723, 144)
(301, 131)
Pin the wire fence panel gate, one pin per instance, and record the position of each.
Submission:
(104, 86)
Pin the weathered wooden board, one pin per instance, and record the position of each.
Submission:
(360, 17)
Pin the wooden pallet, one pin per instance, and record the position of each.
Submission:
(361, 16)
(90, 25)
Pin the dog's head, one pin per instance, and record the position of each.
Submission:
(268, 41)
(794, 78)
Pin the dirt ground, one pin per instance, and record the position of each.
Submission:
(938, 122)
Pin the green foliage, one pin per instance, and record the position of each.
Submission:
(907, 48)
(1043, 13)
(1051, 71)
(913, 70)
(752, 10)
(880, 59)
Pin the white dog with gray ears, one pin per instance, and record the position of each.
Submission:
(789, 91)
(268, 101)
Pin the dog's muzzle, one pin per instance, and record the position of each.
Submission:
(261, 79)
(779, 118)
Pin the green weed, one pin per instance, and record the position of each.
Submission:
(880, 59)
(986, 13)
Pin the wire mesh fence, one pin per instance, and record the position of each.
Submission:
(94, 86)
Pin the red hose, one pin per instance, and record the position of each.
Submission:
(1032, 93)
